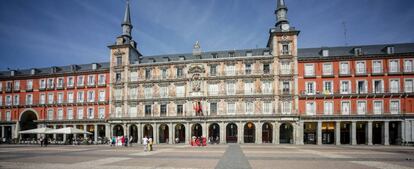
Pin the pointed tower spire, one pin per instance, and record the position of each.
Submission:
(126, 24)
(281, 13)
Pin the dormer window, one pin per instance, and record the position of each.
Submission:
(94, 66)
(249, 53)
(325, 52)
(74, 68)
(182, 57)
(166, 59)
(357, 51)
(215, 56)
(12, 72)
(53, 70)
(266, 53)
(231, 54)
(390, 50)
(33, 71)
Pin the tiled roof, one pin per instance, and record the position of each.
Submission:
(57, 70)
(303, 53)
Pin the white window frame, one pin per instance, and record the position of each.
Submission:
(70, 97)
(312, 111)
(325, 71)
(42, 98)
(394, 89)
(286, 107)
(365, 86)
(343, 108)
(28, 101)
(324, 87)
(213, 89)
(392, 69)
(91, 99)
(91, 82)
(231, 88)
(309, 70)
(231, 70)
(409, 68)
(50, 98)
(267, 107)
(50, 114)
(16, 100)
(378, 69)
(231, 110)
(80, 97)
(80, 113)
(69, 113)
(101, 113)
(342, 70)
(359, 68)
(90, 116)
(102, 94)
(60, 114)
(308, 90)
(409, 89)
(248, 88)
(328, 110)
(60, 97)
(381, 88)
(398, 111)
(180, 93)
(375, 110)
(29, 85)
(361, 110)
(101, 79)
(70, 81)
(80, 81)
(8, 115)
(249, 107)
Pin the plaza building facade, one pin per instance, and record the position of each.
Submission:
(55, 97)
(279, 94)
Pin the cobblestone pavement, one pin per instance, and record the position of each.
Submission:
(215, 156)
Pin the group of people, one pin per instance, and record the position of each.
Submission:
(121, 141)
(147, 142)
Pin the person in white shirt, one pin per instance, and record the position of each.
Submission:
(145, 142)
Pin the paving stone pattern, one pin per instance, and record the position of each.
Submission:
(229, 156)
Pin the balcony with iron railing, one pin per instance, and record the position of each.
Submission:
(373, 93)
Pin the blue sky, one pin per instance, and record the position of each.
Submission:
(42, 33)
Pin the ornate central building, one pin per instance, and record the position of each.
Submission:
(277, 94)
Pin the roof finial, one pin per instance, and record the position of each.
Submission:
(281, 12)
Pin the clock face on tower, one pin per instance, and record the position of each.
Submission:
(285, 27)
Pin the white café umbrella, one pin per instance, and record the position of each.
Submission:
(36, 131)
(67, 130)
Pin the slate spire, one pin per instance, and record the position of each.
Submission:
(126, 23)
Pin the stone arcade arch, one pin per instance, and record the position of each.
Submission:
(197, 130)
(133, 133)
(267, 132)
(249, 133)
(286, 133)
(179, 133)
(148, 131)
(163, 133)
(214, 133)
(26, 122)
(231, 133)
(118, 130)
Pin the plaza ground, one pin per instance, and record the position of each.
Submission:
(214, 156)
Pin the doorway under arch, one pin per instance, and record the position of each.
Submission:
(231, 133)
(27, 123)
(249, 133)
(164, 135)
(286, 133)
(118, 130)
(179, 133)
(214, 133)
(148, 131)
(267, 133)
(197, 130)
(133, 132)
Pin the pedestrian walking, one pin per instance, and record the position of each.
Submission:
(130, 141)
(145, 142)
(41, 141)
(126, 141)
(150, 144)
(113, 141)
